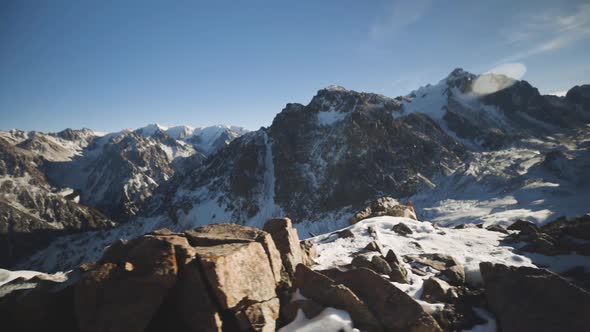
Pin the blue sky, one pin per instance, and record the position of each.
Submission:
(110, 65)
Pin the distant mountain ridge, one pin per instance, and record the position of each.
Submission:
(74, 180)
(485, 145)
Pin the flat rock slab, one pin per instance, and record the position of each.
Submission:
(529, 299)
(286, 240)
(323, 290)
(436, 261)
(237, 272)
(223, 233)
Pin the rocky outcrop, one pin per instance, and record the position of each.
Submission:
(394, 309)
(218, 277)
(217, 234)
(436, 290)
(287, 241)
(401, 229)
(328, 293)
(529, 299)
(559, 237)
(385, 206)
(448, 268)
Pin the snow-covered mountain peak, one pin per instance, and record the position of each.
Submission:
(335, 88)
(180, 132)
(150, 130)
(334, 103)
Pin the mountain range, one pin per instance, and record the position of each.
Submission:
(468, 149)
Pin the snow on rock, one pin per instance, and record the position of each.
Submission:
(330, 117)
(329, 320)
(468, 246)
(210, 139)
(524, 181)
(150, 130)
(180, 132)
(7, 276)
(489, 326)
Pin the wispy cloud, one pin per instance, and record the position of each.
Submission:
(398, 15)
(548, 31)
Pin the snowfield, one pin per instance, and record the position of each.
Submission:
(469, 246)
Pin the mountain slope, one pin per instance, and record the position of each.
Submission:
(345, 148)
(32, 213)
(118, 172)
(469, 149)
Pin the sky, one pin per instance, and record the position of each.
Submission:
(110, 65)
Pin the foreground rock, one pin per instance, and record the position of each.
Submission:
(529, 299)
(214, 278)
(396, 310)
(385, 206)
(323, 290)
(449, 269)
(287, 241)
(559, 237)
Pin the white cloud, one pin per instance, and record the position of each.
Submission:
(514, 70)
(398, 15)
(548, 31)
(491, 81)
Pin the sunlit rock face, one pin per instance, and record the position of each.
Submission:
(346, 148)
(341, 150)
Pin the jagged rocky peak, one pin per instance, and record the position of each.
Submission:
(77, 135)
(336, 99)
(341, 150)
(580, 94)
(150, 130)
(460, 79)
(180, 132)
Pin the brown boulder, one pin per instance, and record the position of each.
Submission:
(374, 246)
(455, 275)
(402, 229)
(111, 298)
(497, 228)
(575, 227)
(309, 251)
(287, 242)
(344, 234)
(529, 299)
(325, 291)
(523, 225)
(436, 261)
(196, 309)
(223, 233)
(398, 271)
(385, 206)
(259, 316)
(237, 272)
(396, 310)
(436, 290)
(380, 265)
(361, 261)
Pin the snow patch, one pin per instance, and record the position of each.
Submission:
(329, 118)
(329, 320)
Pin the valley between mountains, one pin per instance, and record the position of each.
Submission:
(463, 205)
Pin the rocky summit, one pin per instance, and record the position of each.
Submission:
(461, 206)
(228, 277)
